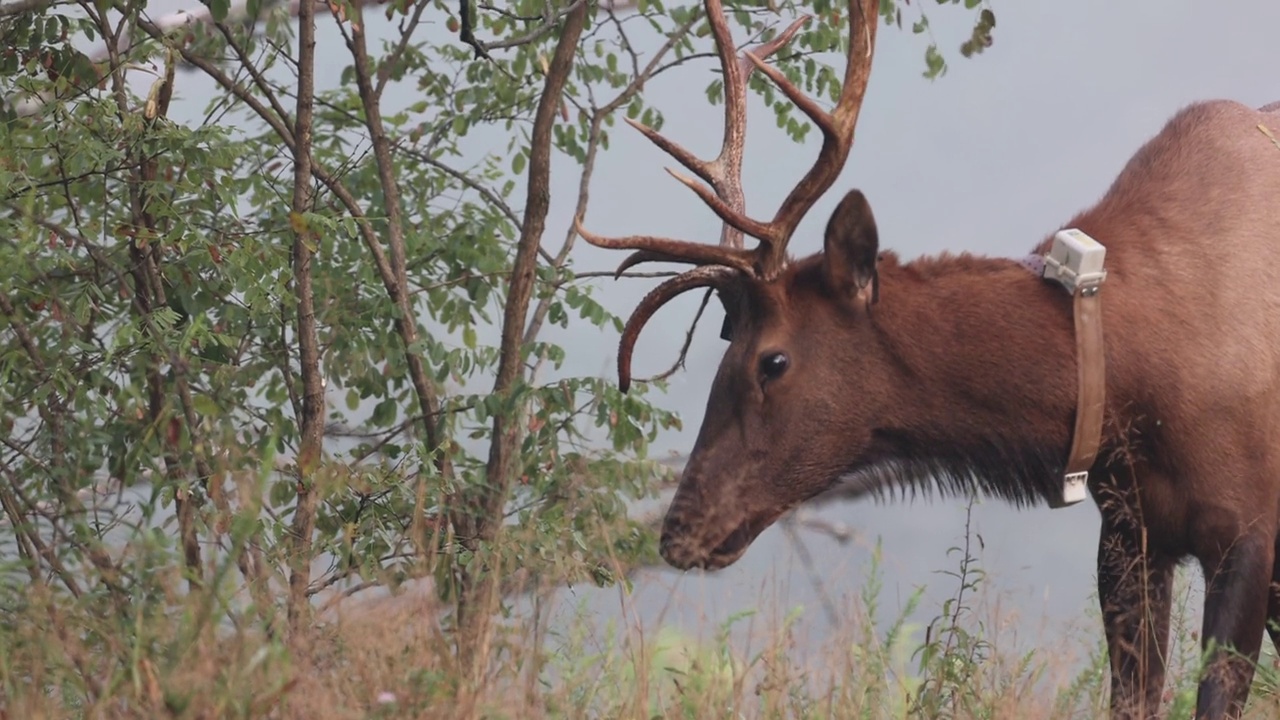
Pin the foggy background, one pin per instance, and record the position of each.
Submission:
(989, 159)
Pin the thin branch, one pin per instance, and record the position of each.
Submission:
(684, 348)
(538, 33)
(397, 280)
(508, 14)
(613, 274)
(255, 73)
(286, 370)
(470, 182)
(588, 166)
(481, 48)
(815, 577)
(466, 180)
(393, 58)
(107, 171)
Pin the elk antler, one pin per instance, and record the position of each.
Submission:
(708, 276)
(724, 173)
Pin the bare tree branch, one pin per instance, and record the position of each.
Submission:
(393, 58)
(463, 178)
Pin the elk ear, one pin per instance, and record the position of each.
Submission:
(734, 300)
(849, 250)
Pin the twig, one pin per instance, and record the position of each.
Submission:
(1267, 131)
(815, 578)
(488, 194)
(484, 191)
(684, 349)
(467, 30)
(627, 274)
(508, 14)
(393, 58)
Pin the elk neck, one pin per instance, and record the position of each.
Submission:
(981, 353)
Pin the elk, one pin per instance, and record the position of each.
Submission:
(958, 374)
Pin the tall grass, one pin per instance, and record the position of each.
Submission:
(392, 658)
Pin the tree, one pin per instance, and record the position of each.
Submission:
(305, 328)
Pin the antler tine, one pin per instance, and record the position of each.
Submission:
(644, 256)
(837, 130)
(652, 248)
(723, 173)
(706, 276)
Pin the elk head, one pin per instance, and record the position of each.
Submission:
(768, 441)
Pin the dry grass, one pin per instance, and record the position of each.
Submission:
(392, 658)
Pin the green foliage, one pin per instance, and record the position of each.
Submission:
(150, 372)
(980, 38)
(951, 652)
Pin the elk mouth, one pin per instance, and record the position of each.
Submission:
(683, 554)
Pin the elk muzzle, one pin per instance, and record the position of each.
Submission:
(710, 535)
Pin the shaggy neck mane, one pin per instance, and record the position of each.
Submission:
(984, 353)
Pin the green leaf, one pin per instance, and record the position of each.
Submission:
(935, 65)
(219, 9)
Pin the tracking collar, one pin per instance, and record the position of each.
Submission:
(1075, 261)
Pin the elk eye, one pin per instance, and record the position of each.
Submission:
(773, 365)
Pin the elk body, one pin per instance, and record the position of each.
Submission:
(958, 372)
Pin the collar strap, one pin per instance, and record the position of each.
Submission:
(1075, 261)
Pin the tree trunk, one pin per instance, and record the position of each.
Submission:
(478, 518)
(311, 424)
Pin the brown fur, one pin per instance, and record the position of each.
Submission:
(960, 376)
